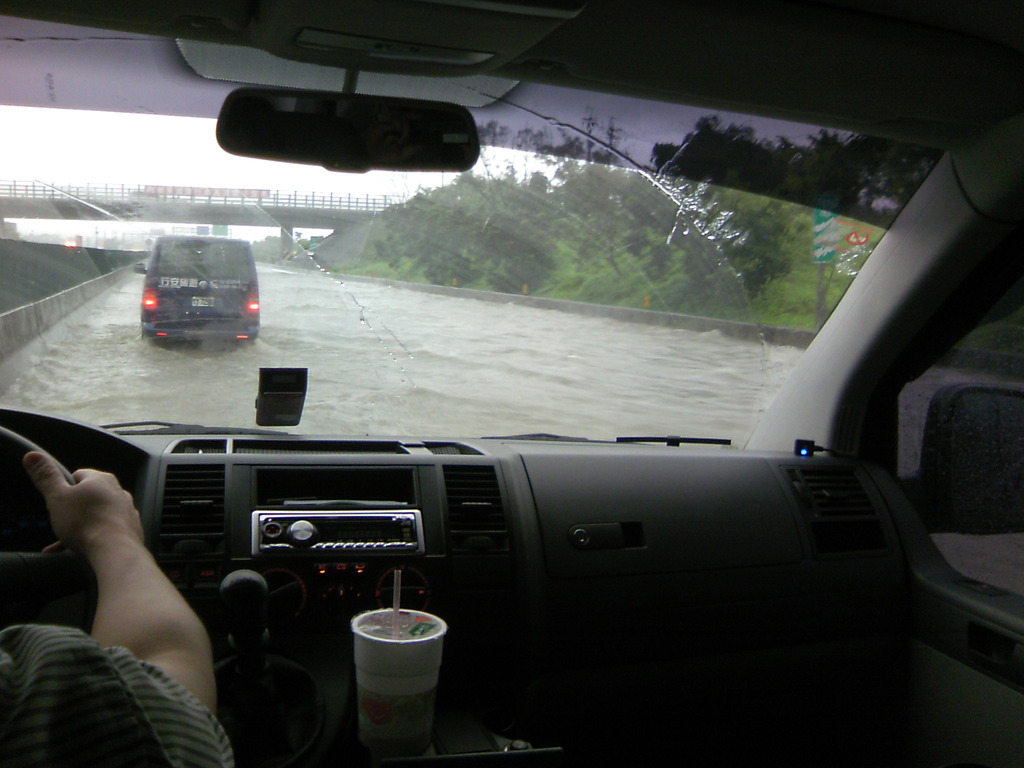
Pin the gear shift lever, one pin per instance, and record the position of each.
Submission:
(270, 706)
(244, 594)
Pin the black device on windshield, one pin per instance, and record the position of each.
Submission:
(282, 393)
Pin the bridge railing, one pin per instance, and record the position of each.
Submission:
(124, 193)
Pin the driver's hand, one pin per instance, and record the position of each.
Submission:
(85, 516)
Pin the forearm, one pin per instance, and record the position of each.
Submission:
(138, 608)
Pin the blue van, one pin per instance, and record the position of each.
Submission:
(200, 288)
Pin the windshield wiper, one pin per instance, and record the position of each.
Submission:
(539, 436)
(672, 440)
(170, 428)
(676, 440)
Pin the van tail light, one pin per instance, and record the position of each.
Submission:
(253, 304)
(149, 299)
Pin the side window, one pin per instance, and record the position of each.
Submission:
(961, 448)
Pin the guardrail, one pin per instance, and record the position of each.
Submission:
(125, 193)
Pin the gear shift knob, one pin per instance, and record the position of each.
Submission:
(244, 594)
(270, 706)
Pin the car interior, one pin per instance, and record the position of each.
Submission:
(843, 587)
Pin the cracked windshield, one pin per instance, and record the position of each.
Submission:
(649, 271)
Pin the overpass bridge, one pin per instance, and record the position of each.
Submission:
(189, 205)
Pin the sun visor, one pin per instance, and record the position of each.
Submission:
(252, 66)
(424, 37)
(59, 65)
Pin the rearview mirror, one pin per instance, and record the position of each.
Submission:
(348, 132)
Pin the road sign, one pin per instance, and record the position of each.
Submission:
(824, 225)
(834, 237)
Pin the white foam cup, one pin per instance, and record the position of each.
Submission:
(397, 665)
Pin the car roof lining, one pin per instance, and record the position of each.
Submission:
(915, 71)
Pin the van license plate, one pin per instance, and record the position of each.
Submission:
(202, 301)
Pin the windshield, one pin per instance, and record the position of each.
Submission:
(602, 272)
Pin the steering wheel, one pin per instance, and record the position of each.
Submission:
(34, 576)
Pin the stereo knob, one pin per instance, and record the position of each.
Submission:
(302, 532)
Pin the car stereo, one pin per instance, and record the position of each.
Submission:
(362, 532)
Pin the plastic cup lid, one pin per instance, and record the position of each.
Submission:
(412, 626)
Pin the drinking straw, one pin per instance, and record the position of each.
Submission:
(396, 602)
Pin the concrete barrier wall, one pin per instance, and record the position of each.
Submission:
(788, 337)
(33, 271)
(43, 282)
(20, 326)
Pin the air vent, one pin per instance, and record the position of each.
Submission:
(476, 517)
(840, 516)
(452, 449)
(193, 509)
(317, 446)
(201, 446)
(832, 491)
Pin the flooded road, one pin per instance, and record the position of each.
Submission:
(388, 361)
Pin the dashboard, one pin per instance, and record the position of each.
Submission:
(592, 590)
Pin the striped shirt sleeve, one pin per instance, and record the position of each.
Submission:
(65, 701)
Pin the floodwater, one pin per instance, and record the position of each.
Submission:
(388, 361)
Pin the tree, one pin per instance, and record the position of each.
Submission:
(859, 176)
(611, 235)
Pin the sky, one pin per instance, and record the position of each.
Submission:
(74, 147)
(65, 148)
